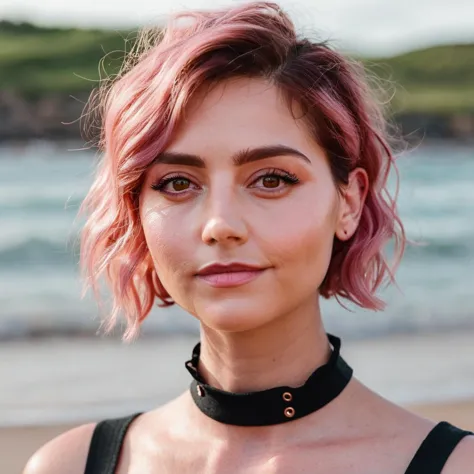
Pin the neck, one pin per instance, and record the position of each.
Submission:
(285, 352)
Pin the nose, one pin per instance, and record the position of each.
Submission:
(223, 222)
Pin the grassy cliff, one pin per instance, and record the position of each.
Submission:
(36, 61)
(439, 79)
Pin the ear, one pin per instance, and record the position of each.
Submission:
(353, 197)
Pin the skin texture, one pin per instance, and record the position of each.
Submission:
(267, 332)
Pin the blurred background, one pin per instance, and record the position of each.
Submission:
(55, 369)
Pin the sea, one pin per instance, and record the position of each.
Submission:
(42, 185)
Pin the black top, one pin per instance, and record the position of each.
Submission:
(430, 458)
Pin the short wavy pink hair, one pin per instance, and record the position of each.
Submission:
(142, 106)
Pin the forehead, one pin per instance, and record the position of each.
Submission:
(239, 113)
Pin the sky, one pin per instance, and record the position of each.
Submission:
(373, 27)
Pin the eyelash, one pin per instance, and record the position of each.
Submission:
(289, 178)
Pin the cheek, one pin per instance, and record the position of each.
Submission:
(165, 242)
(300, 236)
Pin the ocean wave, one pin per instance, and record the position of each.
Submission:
(39, 251)
(440, 249)
(26, 205)
(18, 196)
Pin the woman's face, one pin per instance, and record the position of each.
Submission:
(216, 196)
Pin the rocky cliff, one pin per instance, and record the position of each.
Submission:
(52, 116)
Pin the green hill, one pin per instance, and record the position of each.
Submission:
(35, 61)
(439, 79)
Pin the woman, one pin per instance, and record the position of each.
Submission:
(244, 177)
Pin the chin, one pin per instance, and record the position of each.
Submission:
(231, 315)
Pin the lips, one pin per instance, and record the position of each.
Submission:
(229, 275)
(217, 268)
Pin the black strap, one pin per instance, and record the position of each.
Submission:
(436, 449)
(106, 443)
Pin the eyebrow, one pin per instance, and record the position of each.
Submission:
(240, 158)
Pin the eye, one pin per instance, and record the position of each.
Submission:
(273, 180)
(173, 185)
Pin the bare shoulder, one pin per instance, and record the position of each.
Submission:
(461, 460)
(65, 454)
(415, 429)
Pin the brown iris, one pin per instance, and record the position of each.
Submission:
(180, 184)
(271, 181)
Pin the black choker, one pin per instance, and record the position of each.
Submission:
(275, 405)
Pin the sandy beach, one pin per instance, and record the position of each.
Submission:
(53, 385)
